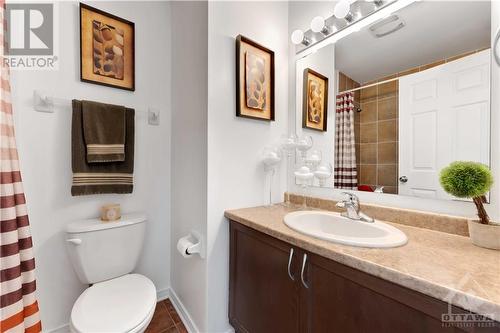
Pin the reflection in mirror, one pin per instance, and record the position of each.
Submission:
(405, 97)
(313, 118)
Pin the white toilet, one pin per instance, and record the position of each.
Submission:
(103, 255)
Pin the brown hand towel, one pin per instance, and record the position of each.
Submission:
(104, 131)
(98, 178)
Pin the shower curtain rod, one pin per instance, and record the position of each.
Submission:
(369, 85)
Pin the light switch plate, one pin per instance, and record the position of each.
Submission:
(153, 116)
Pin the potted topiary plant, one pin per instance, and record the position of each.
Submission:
(473, 180)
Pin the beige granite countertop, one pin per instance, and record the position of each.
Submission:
(445, 266)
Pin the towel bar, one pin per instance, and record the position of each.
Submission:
(45, 103)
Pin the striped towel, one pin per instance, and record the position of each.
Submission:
(104, 131)
(100, 178)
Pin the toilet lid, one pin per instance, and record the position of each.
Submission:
(116, 305)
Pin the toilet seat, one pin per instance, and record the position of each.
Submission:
(123, 304)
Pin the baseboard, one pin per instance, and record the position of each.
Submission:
(163, 294)
(181, 310)
(183, 313)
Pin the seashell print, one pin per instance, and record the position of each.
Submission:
(314, 101)
(97, 36)
(255, 81)
(97, 62)
(119, 39)
(107, 34)
(108, 67)
(97, 48)
(108, 50)
(119, 66)
(118, 51)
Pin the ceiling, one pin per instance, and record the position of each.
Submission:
(434, 30)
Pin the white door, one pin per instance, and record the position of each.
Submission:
(443, 117)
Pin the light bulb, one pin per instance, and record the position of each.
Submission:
(297, 36)
(341, 9)
(317, 24)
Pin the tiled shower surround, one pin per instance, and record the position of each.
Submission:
(377, 157)
(376, 134)
(376, 126)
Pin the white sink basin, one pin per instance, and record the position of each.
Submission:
(335, 228)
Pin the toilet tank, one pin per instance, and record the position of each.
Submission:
(104, 250)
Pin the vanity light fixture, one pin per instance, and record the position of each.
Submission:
(298, 37)
(359, 20)
(342, 11)
(318, 25)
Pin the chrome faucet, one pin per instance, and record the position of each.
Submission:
(351, 205)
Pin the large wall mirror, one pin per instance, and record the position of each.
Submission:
(392, 104)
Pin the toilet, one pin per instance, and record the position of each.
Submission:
(103, 256)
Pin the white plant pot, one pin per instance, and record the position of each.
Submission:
(484, 235)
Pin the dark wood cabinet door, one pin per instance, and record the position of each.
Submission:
(344, 300)
(262, 296)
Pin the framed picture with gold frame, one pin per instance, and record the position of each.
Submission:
(315, 101)
(107, 49)
(254, 80)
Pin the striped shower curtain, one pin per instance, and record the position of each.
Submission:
(18, 304)
(345, 172)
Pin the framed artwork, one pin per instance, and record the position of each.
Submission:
(254, 80)
(315, 104)
(107, 49)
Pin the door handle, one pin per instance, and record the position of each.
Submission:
(290, 258)
(495, 48)
(74, 241)
(304, 260)
(403, 179)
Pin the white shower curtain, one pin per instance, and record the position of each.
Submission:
(345, 171)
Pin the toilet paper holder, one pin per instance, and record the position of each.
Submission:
(191, 244)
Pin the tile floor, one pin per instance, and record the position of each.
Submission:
(166, 319)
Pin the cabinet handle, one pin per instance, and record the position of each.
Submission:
(304, 260)
(289, 264)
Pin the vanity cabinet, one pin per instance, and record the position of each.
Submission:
(263, 298)
(276, 287)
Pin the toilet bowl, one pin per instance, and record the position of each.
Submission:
(103, 256)
(123, 304)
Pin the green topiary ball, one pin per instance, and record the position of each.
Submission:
(466, 179)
